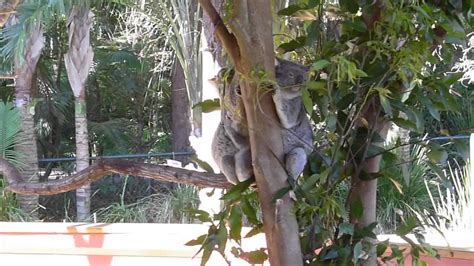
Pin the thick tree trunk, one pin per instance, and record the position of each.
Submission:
(180, 114)
(251, 48)
(24, 70)
(78, 60)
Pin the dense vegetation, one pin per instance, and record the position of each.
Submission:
(373, 65)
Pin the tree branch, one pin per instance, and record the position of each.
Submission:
(106, 167)
(227, 39)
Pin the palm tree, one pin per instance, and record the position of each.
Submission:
(25, 66)
(78, 60)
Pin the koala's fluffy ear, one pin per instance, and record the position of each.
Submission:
(277, 61)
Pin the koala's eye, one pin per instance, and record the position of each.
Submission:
(238, 90)
(291, 75)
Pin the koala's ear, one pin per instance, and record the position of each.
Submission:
(277, 61)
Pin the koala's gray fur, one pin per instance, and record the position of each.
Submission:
(230, 145)
(297, 134)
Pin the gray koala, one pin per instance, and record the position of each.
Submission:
(297, 134)
(230, 145)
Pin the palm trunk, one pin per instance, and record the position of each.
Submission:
(24, 70)
(78, 61)
(83, 194)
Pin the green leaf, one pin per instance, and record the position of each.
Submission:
(404, 123)
(204, 165)
(357, 209)
(345, 101)
(431, 108)
(281, 193)
(222, 235)
(407, 226)
(293, 44)
(320, 64)
(307, 102)
(319, 86)
(437, 155)
(357, 25)
(254, 231)
(382, 247)
(313, 32)
(235, 222)
(313, 3)
(236, 191)
(198, 241)
(291, 9)
(201, 215)
(346, 228)
(249, 211)
(208, 106)
(358, 251)
(349, 6)
(255, 257)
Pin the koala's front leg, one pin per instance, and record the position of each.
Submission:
(243, 164)
(295, 161)
(228, 168)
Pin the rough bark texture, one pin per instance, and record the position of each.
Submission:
(24, 70)
(17, 183)
(78, 60)
(251, 47)
(180, 114)
(213, 42)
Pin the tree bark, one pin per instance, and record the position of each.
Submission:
(180, 114)
(17, 183)
(24, 71)
(366, 190)
(250, 48)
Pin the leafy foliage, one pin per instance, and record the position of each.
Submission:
(373, 63)
(9, 132)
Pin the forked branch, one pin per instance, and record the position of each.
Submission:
(227, 38)
(17, 184)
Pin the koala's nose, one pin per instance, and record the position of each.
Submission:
(299, 79)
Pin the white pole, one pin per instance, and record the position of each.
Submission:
(471, 179)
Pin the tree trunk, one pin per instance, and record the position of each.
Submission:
(250, 48)
(180, 114)
(24, 70)
(78, 60)
(366, 190)
(83, 194)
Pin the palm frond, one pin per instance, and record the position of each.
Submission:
(9, 132)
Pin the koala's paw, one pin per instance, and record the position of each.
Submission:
(228, 169)
(295, 161)
(243, 165)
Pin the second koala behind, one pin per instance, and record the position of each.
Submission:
(230, 145)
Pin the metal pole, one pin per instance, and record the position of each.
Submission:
(471, 179)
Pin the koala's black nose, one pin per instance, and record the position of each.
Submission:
(299, 79)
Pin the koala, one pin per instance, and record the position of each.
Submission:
(297, 132)
(230, 145)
